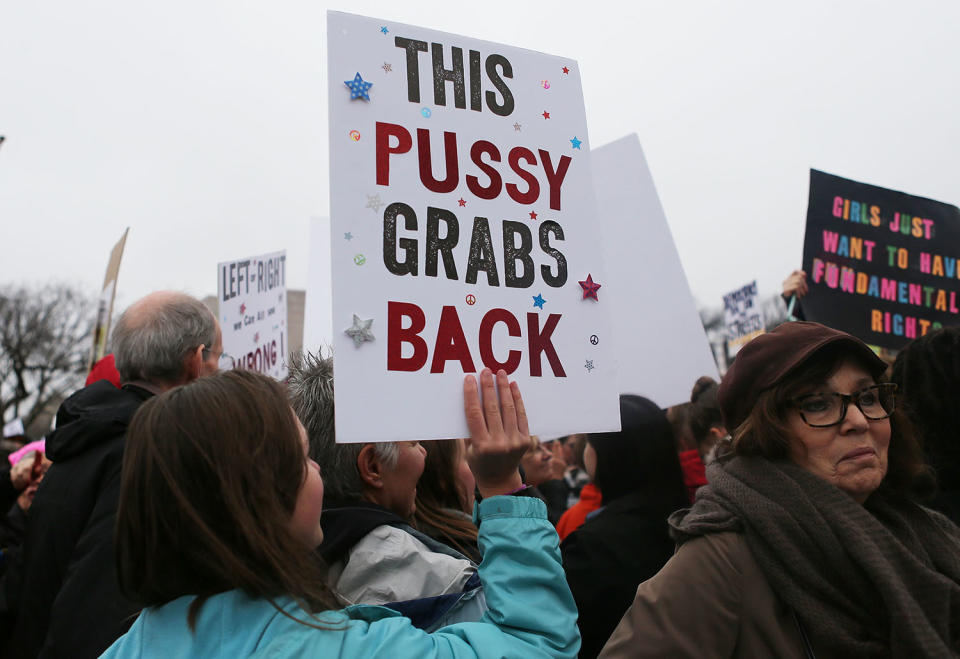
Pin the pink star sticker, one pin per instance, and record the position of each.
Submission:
(546, 115)
(533, 215)
(243, 307)
(256, 337)
(462, 201)
(590, 288)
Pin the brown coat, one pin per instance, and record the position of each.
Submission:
(709, 600)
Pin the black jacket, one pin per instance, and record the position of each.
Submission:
(619, 547)
(8, 495)
(344, 525)
(61, 595)
(12, 526)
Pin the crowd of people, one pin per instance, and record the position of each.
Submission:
(804, 506)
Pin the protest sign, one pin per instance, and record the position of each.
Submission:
(660, 344)
(14, 428)
(464, 234)
(882, 264)
(252, 295)
(742, 315)
(105, 304)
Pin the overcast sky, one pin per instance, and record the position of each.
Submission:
(202, 125)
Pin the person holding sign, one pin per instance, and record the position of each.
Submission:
(808, 540)
(220, 518)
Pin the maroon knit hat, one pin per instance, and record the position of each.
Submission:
(769, 358)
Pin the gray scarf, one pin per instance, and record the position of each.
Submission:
(876, 579)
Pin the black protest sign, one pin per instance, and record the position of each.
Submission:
(882, 264)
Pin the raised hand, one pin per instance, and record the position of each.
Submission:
(499, 433)
(22, 473)
(795, 284)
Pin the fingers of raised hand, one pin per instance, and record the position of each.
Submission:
(473, 410)
(491, 406)
(508, 411)
(523, 426)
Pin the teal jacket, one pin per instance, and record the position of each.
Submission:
(531, 611)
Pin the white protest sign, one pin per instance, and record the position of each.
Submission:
(252, 293)
(660, 342)
(13, 428)
(742, 315)
(463, 221)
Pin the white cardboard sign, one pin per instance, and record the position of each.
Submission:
(13, 428)
(742, 315)
(661, 345)
(252, 293)
(463, 220)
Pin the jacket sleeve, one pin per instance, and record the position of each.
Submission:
(89, 613)
(691, 608)
(8, 494)
(531, 611)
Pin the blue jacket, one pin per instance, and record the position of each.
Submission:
(531, 611)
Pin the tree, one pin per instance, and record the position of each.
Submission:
(44, 346)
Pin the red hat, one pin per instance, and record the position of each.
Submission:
(105, 369)
(768, 359)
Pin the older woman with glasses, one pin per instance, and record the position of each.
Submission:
(808, 540)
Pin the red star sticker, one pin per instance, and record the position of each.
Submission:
(533, 215)
(243, 307)
(590, 288)
(566, 70)
(462, 202)
(546, 115)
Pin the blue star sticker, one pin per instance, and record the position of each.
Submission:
(575, 142)
(359, 88)
(538, 301)
(383, 29)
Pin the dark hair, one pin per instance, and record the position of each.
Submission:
(642, 457)
(705, 411)
(211, 473)
(928, 374)
(679, 418)
(766, 432)
(703, 384)
(439, 493)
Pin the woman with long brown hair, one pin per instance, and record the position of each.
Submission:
(445, 497)
(219, 519)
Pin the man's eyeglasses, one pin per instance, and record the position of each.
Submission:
(224, 361)
(824, 410)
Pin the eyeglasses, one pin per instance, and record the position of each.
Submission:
(224, 361)
(824, 410)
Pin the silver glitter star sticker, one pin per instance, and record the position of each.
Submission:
(373, 201)
(360, 331)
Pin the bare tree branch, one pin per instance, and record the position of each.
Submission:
(44, 345)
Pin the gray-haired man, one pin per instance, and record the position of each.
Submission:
(62, 597)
